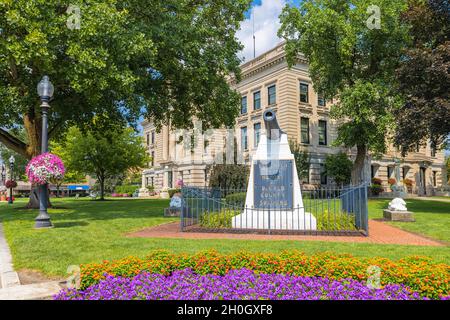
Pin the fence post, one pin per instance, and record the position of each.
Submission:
(366, 210)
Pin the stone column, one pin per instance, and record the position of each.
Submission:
(165, 143)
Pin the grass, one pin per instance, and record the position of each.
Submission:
(92, 231)
(432, 217)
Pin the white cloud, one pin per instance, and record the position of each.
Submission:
(267, 24)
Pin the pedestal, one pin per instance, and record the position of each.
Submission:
(392, 215)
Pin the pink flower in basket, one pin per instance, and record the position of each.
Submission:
(45, 168)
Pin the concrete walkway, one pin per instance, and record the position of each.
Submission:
(10, 287)
(431, 199)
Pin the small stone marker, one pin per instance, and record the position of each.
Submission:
(397, 211)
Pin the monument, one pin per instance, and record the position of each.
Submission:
(274, 200)
(397, 211)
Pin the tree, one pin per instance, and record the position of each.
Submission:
(302, 160)
(339, 167)
(229, 177)
(424, 77)
(104, 155)
(165, 59)
(353, 60)
(71, 175)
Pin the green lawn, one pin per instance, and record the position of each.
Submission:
(91, 231)
(432, 217)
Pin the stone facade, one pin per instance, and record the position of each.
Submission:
(267, 82)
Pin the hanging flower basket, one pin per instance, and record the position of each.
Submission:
(45, 168)
(10, 184)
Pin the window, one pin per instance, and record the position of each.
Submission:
(257, 133)
(153, 158)
(304, 128)
(373, 171)
(244, 105)
(322, 133)
(170, 179)
(305, 178)
(404, 172)
(146, 181)
(434, 178)
(304, 92)
(152, 181)
(390, 172)
(433, 149)
(153, 137)
(321, 100)
(323, 175)
(272, 94)
(257, 100)
(244, 141)
(148, 139)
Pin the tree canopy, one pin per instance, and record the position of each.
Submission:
(424, 77)
(339, 167)
(104, 155)
(165, 59)
(352, 60)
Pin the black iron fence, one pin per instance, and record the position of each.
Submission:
(325, 211)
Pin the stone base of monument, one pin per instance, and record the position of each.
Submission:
(274, 220)
(392, 215)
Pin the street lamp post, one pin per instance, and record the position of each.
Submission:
(11, 173)
(45, 90)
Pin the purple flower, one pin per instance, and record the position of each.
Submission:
(235, 285)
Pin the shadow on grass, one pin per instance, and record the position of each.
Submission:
(70, 224)
(71, 211)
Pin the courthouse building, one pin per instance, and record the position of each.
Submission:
(302, 113)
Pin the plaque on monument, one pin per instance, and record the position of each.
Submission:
(274, 190)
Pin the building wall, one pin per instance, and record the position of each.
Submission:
(269, 69)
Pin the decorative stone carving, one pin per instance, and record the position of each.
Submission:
(397, 211)
(398, 204)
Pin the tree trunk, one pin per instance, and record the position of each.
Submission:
(33, 127)
(102, 189)
(358, 165)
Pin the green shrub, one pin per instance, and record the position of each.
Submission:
(218, 219)
(327, 221)
(376, 189)
(420, 274)
(173, 191)
(236, 199)
(126, 189)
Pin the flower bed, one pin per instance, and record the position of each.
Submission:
(420, 274)
(235, 285)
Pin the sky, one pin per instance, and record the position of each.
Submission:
(265, 14)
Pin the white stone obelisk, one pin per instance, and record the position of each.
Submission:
(273, 152)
